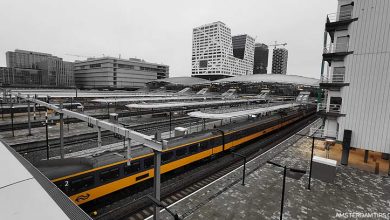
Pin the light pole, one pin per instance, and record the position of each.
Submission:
(160, 204)
(243, 171)
(12, 119)
(284, 182)
(47, 137)
(311, 163)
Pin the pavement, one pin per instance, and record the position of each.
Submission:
(355, 194)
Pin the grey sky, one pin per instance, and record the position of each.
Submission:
(161, 31)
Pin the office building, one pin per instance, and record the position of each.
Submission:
(216, 54)
(57, 73)
(260, 63)
(114, 73)
(19, 77)
(279, 61)
(52, 70)
(356, 83)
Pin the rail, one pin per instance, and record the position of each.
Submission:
(332, 108)
(342, 16)
(334, 78)
(335, 48)
(322, 133)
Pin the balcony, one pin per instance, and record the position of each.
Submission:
(323, 134)
(337, 23)
(333, 110)
(334, 83)
(335, 52)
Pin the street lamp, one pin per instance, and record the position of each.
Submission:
(285, 168)
(160, 204)
(243, 171)
(47, 136)
(12, 119)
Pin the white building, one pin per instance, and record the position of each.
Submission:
(212, 52)
(357, 83)
(115, 73)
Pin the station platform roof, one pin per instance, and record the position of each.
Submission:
(25, 193)
(271, 78)
(237, 114)
(188, 104)
(185, 81)
(150, 99)
(88, 94)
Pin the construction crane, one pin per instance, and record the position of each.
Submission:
(276, 44)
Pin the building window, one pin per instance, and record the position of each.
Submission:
(346, 12)
(95, 65)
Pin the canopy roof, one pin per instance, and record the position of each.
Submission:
(271, 78)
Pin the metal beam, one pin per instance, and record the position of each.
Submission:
(29, 117)
(127, 133)
(62, 135)
(156, 184)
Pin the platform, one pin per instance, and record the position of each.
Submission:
(26, 194)
(242, 113)
(151, 99)
(354, 191)
(189, 104)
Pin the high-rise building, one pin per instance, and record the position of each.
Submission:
(114, 73)
(27, 59)
(52, 70)
(213, 55)
(357, 98)
(260, 64)
(279, 61)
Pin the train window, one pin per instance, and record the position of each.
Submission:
(193, 148)
(134, 167)
(148, 162)
(81, 183)
(109, 175)
(167, 156)
(204, 145)
(141, 177)
(215, 142)
(181, 152)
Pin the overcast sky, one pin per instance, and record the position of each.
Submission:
(161, 31)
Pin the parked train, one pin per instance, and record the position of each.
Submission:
(86, 179)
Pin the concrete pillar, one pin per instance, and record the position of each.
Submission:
(29, 115)
(365, 156)
(346, 146)
(128, 151)
(34, 107)
(156, 184)
(62, 135)
(99, 141)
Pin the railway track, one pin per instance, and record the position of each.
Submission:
(126, 204)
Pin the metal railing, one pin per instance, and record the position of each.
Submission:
(335, 78)
(335, 48)
(333, 17)
(332, 108)
(322, 133)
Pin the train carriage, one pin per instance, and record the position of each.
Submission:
(86, 179)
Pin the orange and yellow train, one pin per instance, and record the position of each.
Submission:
(89, 183)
